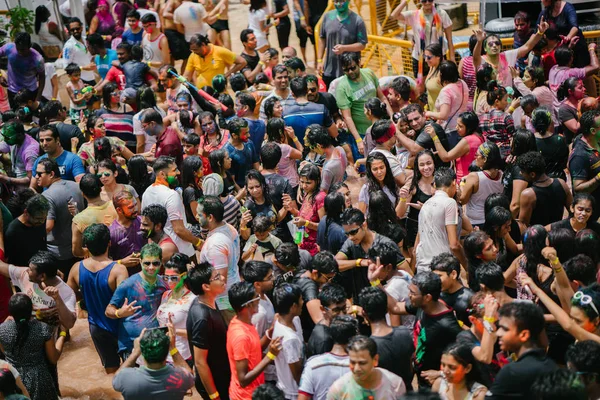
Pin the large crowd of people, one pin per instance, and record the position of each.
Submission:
(194, 205)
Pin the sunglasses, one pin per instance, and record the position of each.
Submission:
(494, 43)
(171, 278)
(352, 232)
(426, 57)
(426, 1)
(328, 278)
(103, 174)
(348, 69)
(156, 263)
(585, 300)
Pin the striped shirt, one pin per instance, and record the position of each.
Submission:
(118, 124)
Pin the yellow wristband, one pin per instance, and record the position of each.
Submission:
(402, 199)
(243, 228)
(54, 98)
(511, 110)
(218, 16)
(295, 139)
(376, 283)
(539, 33)
(491, 320)
(302, 18)
(199, 242)
(261, 63)
(435, 138)
(117, 313)
(271, 356)
(558, 270)
(118, 261)
(358, 261)
(555, 262)
(320, 60)
(359, 140)
(173, 352)
(213, 396)
(306, 224)
(63, 334)
(598, 175)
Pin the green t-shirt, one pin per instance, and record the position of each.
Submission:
(353, 95)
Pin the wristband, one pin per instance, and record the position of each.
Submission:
(218, 16)
(295, 139)
(491, 320)
(358, 262)
(511, 110)
(302, 18)
(271, 356)
(199, 242)
(376, 283)
(306, 224)
(435, 138)
(539, 33)
(119, 262)
(173, 352)
(117, 313)
(359, 140)
(402, 199)
(213, 396)
(243, 228)
(63, 334)
(261, 63)
(54, 98)
(320, 60)
(558, 270)
(555, 262)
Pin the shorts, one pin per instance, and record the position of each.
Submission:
(107, 346)
(303, 36)
(180, 49)
(221, 25)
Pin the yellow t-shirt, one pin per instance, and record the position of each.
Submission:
(104, 214)
(208, 67)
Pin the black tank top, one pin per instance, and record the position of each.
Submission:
(549, 203)
(419, 196)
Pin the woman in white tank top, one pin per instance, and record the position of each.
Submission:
(477, 186)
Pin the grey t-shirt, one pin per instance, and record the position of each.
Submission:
(351, 30)
(333, 169)
(167, 383)
(58, 195)
(305, 259)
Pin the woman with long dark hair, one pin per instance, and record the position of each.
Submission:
(480, 249)
(514, 182)
(497, 225)
(144, 98)
(330, 234)
(29, 346)
(96, 129)
(375, 109)
(279, 133)
(382, 214)
(570, 93)
(140, 177)
(258, 203)
(191, 182)
(484, 75)
(553, 146)
(580, 215)
(220, 164)
(498, 125)
(420, 191)
(312, 210)
(107, 172)
(117, 116)
(257, 21)
(48, 32)
(433, 57)
(379, 178)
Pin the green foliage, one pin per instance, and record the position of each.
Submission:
(21, 20)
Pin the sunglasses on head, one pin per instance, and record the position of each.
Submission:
(156, 263)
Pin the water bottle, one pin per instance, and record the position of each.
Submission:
(299, 236)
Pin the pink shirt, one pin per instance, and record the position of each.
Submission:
(287, 166)
(463, 162)
(558, 75)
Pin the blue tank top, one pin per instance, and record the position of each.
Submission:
(97, 294)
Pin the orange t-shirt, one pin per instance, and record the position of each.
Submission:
(243, 343)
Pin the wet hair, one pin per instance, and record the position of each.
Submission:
(353, 216)
(197, 276)
(342, 328)
(581, 268)
(20, 308)
(587, 122)
(495, 92)
(103, 152)
(448, 72)
(563, 241)
(270, 155)
(461, 352)
(541, 119)
(145, 98)
(278, 69)
(217, 159)
(566, 87)
(261, 77)
(189, 167)
(285, 296)
(587, 242)
(219, 83)
(268, 391)
(594, 292)
(162, 163)
(529, 100)
(72, 68)
(444, 177)
(156, 213)
(401, 86)
(558, 385)
(199, 39)
(276, 129)
(237, 82)
(377, 108)
(324, 262)
(490, 275)
(360, 342)
(155, 345)
(413, 107)
(428, 283)
(90, 186)
(527, 316)
(178, 262)
(191, 138)
(349, 57)
(25, 115)
(532, 162)
(471, 122)
(584, 355)
(537, 75)
(381, 212)
(288, 255)
(151, 250)
(388, 180)
(534, 240)
(584, 196)
(435, 49)
(244, 35)
(317, 135)
(388, 253)
(239, 294)
(484, 76)
(22, 39)
(332, 293)
(133, 14)
(138, 173)
(96, 238)
(107, 90)
(38, 205)
(523, 141)
(212, 205)
(446, 262)
(373, 301)
(493, 159)
(417, 173)
(294, 64)
(262, 224)
(246, 99)
(334, 204)
(312, 173)
(473, 246)
(255, 271)
(563, 56)
(496, 199)
(257, 176)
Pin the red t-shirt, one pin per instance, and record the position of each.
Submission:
(243, 343)
(117, 76)
(168, 144)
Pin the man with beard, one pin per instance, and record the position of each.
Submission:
(125, 234)
(97, 277)
(75, 51)
(161, 193)
(154, 219)
(221, 249)
(167, 140)
(60, 194)
(241, 150)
